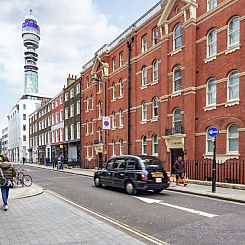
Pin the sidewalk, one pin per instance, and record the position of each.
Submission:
(225, 191)
(46, 219)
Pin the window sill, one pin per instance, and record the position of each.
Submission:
(232, 103)
(143, 122)
(232, 49)
(209, 108)
(222, 157)
(113, 129)
(99, 93)
(120, 127)
(177, 93)
(176, 51)
(113, 100)
(154, 119)
(154, 83)
(143, 87)
(209, 59)
(120, 97)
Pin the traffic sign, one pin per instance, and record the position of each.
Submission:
(106, 123)
(212, 132)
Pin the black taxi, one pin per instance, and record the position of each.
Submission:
(133, 173)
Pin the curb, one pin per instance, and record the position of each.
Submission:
(35, 193)
(208, 195)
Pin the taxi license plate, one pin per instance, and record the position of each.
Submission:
(158, 180)
(156, 175)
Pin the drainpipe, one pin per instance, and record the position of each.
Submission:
(129, 45)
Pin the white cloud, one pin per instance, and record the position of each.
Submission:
(71, 31)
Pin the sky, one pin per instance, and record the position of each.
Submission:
(71, 32)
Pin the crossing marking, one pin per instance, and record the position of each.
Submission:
(190, 210)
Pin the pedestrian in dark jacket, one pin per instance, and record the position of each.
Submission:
(8, 173)
(179, 168)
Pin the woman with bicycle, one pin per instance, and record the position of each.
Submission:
(8, 173)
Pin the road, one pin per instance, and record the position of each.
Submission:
(174, 218)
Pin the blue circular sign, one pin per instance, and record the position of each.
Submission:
(212, 132)
(106, 123)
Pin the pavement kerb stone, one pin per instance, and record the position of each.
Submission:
(208, 195)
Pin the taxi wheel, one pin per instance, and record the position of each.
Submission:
(97, 181)
(130, 188)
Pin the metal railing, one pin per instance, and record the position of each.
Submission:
(230, 171)
(175, 130)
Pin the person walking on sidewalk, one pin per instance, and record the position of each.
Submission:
(8, 173)
(179, 168)
(23, 159)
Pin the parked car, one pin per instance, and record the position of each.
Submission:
(133, 173)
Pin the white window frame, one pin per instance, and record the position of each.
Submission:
(154, 36)
(177, 36)
(232, 138)
(87, 104)
(92, 102)
(87, 127)
(61, 115)
(114, 89)
(155, 71)
(114, 119)
(78, 130)
(87, 82)
(144, 76)
(71, 110)
(57, 117)
(87, 150)
(177, 122)
(100, 85)
(114, 149)
(155, 107)
(121, 59)
(100, 135)
(154, 144)
(121, 118)
(66, 133)
(78, 107)
(144, 43)
(143, 145)
(72, 132)
(144, 111)
(72, 93)
(176, 79)
(233, 74)
(210, 93)
(211, 4)
(212, 43)
(78, 89)
(100, 109)
(66, 98)
(121, 147)
(121, 85)
(114, 64)
(233, 32)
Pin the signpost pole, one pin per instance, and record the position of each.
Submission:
(214, 168)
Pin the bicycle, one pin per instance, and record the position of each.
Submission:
(22, 179)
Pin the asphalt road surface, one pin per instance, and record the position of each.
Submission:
(171, 217)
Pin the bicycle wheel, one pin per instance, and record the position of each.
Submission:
(20, 175)
(27, 180)
(3, 181)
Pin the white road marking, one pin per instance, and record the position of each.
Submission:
(190, 210)
(113, 221)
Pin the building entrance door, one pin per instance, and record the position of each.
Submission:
(175, 153)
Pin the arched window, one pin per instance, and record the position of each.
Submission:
(87, 150)
(233, 85)
(144, 111)
(232, 138)
(87, 82)
(234, 32)
(212, 43)
(92, 102)
(114, 119)
(121, 88)
(121, 147)
(99, 85)
(177, 79)
(209, 143)
(143, 145)
(177, 37)
(113, 91)
(87, 103)
(154, 145)
(144, 76)
(87, 127)
(177, 124)
(114, 150)
(155, 107)
(100, 109)
(211, 92)
(155, 70)
(121, 118)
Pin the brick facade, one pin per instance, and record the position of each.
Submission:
(180, 86)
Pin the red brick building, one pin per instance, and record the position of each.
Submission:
(187, 74)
